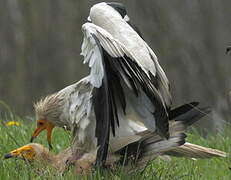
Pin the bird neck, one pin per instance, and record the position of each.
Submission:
(48, 158)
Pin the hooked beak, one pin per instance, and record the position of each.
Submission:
(49, 133)
(7, 156)
(36, 132)
(43, 125)
(26, 152)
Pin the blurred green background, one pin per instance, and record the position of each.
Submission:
(40, 48)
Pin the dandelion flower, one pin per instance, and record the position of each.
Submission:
(12, 123)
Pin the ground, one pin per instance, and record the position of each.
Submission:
(15, 135)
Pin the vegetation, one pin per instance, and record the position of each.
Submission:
(13, 136)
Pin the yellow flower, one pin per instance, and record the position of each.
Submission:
(12, 123)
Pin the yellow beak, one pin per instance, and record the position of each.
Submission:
(26, 152)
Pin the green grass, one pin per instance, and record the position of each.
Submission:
(178, 168)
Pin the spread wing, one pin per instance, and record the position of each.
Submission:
(115, 70)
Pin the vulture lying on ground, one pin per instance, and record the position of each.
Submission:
(150, 147)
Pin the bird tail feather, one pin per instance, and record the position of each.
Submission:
(190, 150)
(158, 146)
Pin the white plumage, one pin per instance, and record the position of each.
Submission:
(126, 87)
(118, 38)
(105, 17)
(124, 70)
(75, 112)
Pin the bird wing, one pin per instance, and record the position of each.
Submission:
(106, 17)
(77, 112)
(112, 65)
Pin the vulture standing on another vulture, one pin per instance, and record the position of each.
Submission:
(126, 87)
(125, 74)
(72, 108)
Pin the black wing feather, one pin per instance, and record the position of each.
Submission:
(111, 95)
(101, 104)
(127, 72)
(134, 151)
(182, 109)
(160, 113)
(105, 105)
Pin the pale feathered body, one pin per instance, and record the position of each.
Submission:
(72, 108)
(45, 158)
(118, 38)
(105, 17)
(126, 92)
(125, 72)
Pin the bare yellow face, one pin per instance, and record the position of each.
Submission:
(25, 152)
(43, 125)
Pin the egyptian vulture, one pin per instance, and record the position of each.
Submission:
(150, 146)
(124, 72)
(72, 108)
(126, 87)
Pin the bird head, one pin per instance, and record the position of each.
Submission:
(37, 153)
(43, 124)
(48, 111)
(27, 152)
